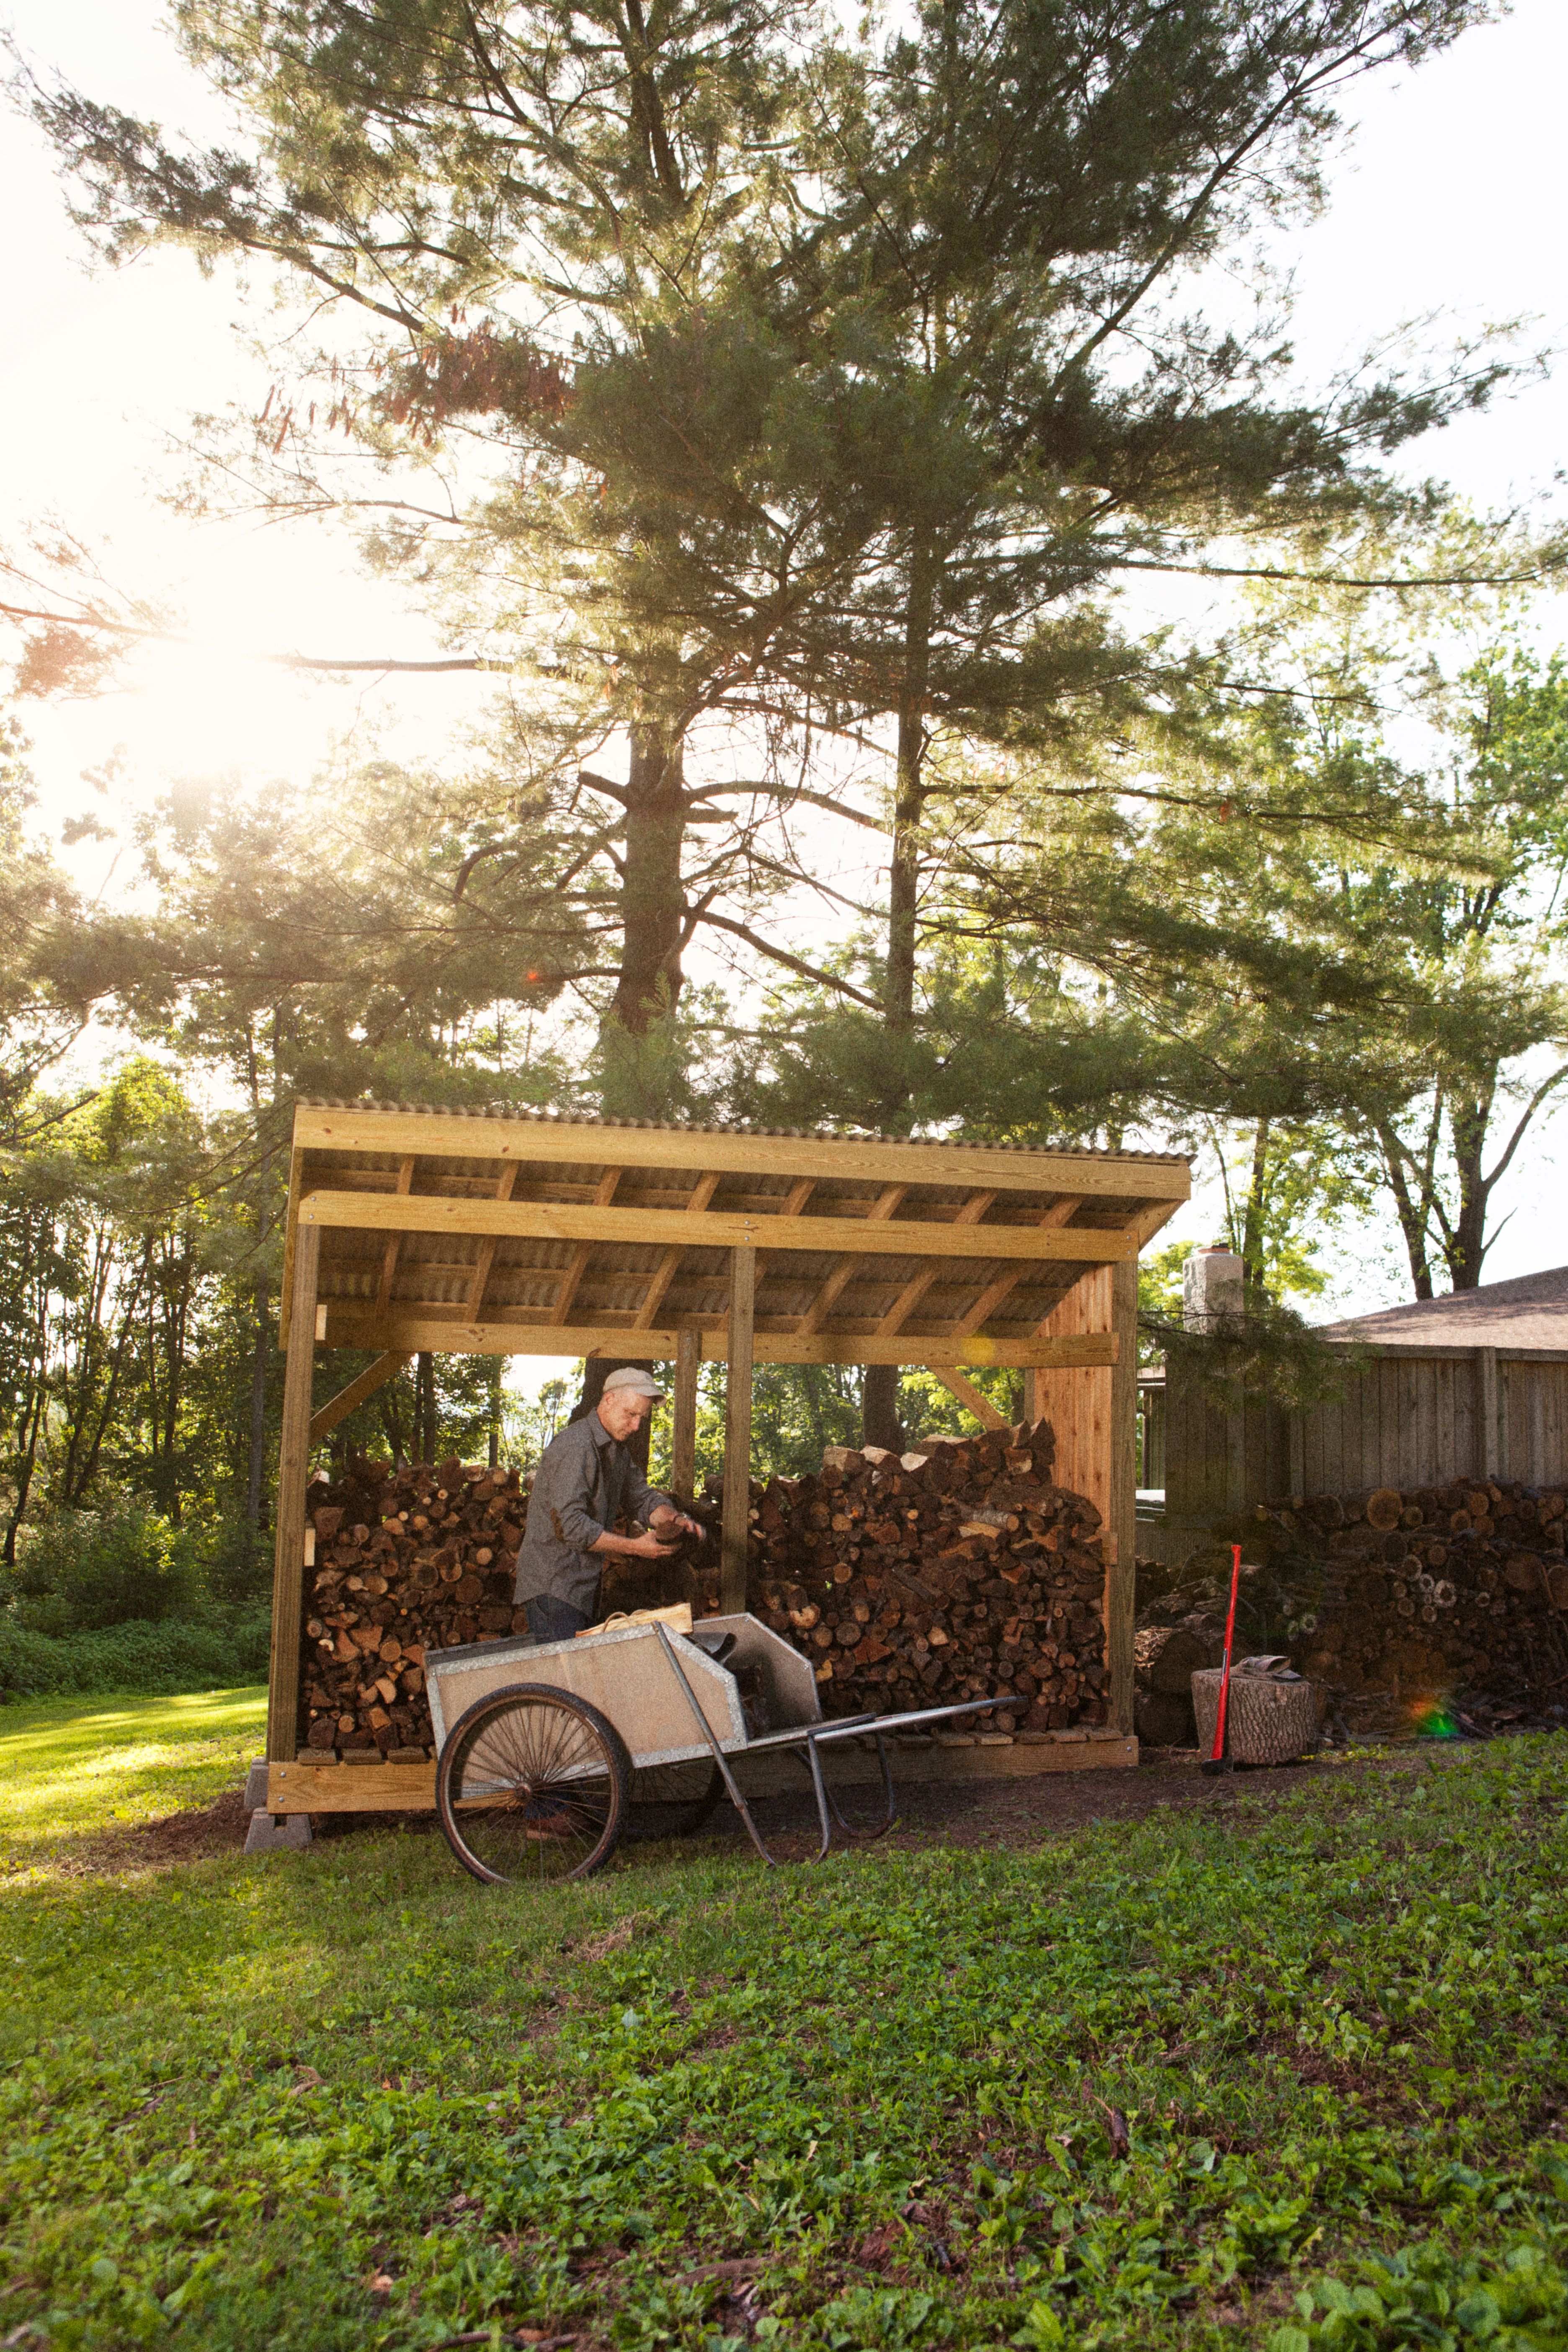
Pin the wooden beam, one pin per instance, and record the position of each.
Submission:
(376, 1376)
(738, 1434)
(664, 1273)
(876, 1235)
(1489, 1453)
(972, 1399)
(1121, 1577)
(293, 1461)
(577, 1264)
(485, 1258)
(391, 1253)
(910, 1297)
(839, 1281)
(351, 1325)
(1003, 1284)
(683, 1432)
(455, 1135)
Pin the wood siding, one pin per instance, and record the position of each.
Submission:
(1400, 1419)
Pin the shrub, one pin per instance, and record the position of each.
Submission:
(83, 1570)
(136, 1656)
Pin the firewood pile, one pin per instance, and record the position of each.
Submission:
(1392, 1598)
(919, 1580)
(959, 1572)
(406, 1562)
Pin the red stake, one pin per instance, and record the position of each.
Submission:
(1216, 1761)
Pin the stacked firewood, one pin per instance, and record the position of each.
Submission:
(959, 1572)
(1430, 1587)
(1387, 1599)
(916, 1581)
(405, 1563)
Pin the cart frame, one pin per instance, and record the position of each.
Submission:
(663, 1720)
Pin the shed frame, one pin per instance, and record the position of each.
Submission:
(412, 1228)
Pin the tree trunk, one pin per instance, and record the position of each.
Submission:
(1465, 1245)
(880, 1422)
(637, 1080)
(1413, 1213)
(424, 1437)
(1254, 1217)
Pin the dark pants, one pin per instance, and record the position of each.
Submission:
(549, 1620)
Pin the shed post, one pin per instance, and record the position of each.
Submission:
(683, 1430)
(294, 1460)
(738, 1432)
(1121, 1595)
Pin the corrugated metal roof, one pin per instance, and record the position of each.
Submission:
(1532, 1311)
(510, 1112)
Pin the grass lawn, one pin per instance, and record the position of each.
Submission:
(1288, 2075)
(72, 1769)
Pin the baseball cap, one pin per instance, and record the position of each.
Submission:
(629, 1381)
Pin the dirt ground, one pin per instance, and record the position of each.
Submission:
(1016, 1812)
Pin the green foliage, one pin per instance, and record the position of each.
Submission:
(132, 1654)
(421, 2109)
(85, 1570)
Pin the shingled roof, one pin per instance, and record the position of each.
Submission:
(1529, 1312)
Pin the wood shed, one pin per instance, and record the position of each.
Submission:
(413, 1227)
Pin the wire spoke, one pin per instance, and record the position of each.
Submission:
(531, 1791)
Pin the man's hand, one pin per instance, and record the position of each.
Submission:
(672, 1523)
(654, 1543)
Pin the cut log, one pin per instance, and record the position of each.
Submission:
(1167, 1657)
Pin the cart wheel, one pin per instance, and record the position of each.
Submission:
(673, 1800)
(531, 1784)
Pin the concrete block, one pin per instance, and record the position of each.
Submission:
(256, 1784)
(278, 1834)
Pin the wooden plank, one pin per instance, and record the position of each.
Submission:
(1487, 1411)
(296, 1186)
(487, 1253)
(1120, 1598)
(972, 1399)
(738, 1434)
(350, 1324)
(376, 1376)
(1119, 1176)
(844, 1274)
(1003, 1284)
(411, 1788)
(1072, 1386)
(683, 1433)
(910, 1297)
(296, 1787)
(578, 1266)
(424, 1213)
(289, 1550)
(664, 1275)
(391, 1253)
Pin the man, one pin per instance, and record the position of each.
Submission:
(586, 1481)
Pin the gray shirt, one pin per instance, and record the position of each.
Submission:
(586, 1481)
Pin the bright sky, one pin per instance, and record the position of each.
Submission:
(1445, 207)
